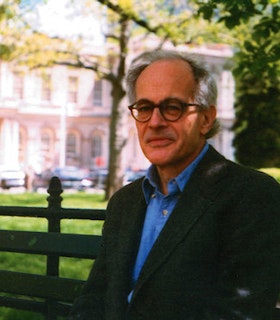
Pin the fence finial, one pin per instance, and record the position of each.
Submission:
(54, 190)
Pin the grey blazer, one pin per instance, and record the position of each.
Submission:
(217, 258)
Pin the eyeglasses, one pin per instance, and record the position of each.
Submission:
(170, 109)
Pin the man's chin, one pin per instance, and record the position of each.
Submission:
(159, 161)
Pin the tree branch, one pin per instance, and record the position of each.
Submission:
(129, 15)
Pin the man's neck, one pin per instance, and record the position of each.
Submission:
(166, 173)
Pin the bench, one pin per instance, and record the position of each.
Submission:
(48, 294)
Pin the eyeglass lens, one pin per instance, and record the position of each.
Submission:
(171, 109)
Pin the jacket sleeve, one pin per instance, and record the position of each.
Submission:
(90, 304)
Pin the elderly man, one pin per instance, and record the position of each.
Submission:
(199, 236)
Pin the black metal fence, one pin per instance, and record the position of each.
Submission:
(48, 294)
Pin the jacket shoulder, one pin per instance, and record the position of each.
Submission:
(127, 195)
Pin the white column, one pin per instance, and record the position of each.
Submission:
(62, 142)
(10, 143)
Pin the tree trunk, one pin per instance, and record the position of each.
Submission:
(116, 144)
(117, 141)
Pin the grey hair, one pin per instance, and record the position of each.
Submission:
(206, 89)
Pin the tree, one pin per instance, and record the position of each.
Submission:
(8, 13)
(258, 94)
(257, 75)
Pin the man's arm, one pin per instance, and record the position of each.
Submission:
(251, 272)
(90, 304)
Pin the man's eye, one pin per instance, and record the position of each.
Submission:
(144, 109)
(172, 108)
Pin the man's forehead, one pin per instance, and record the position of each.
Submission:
(166, 74)
(170, 63)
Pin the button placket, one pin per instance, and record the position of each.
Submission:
(164, 211)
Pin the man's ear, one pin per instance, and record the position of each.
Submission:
(208, 119)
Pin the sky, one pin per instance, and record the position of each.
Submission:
(58, 18)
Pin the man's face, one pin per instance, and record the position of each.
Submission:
(171, 145)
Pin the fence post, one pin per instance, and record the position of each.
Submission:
(55, 190)
(54, 206)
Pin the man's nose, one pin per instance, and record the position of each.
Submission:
(156, 118)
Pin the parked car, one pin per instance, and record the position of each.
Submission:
(10, 178)
(98, 177)
(132, 175)
(70, 177)
(42, 180)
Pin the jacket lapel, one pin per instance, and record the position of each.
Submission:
(130, 235)
(198, 195)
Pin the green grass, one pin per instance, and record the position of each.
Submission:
(274, 172)
(69, 267)
(70, 200)
(10, 314)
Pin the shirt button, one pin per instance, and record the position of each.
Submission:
(165, 212)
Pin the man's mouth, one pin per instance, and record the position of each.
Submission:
(159, 141)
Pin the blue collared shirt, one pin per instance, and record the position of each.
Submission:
(159, 208)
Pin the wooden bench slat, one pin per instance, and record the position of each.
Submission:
(23, 304)
(67, 245)
(61, 309)
(61, 213)
(45, 287)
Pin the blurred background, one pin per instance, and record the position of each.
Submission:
(63, 105)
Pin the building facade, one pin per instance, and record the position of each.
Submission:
(61, 116)
(56, 118)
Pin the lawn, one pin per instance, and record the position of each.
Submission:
(69, 267)
(274, 172)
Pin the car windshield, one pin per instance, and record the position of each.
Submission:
(70, 173)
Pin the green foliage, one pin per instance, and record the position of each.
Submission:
(257, 126)
(232, 13)
(8, 9)
(257, 75)
(12, 27)
(5, 51)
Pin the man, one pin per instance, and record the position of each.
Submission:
(199, 236)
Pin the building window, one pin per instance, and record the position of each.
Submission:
(45, 142)
(18, 85)
(96, 151)
(96, 146)
(71, 144)
(73, 89)
(22, 145)
(97, 93)
(46, 147)
(46, 88)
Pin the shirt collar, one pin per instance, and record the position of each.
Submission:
(150, 183)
